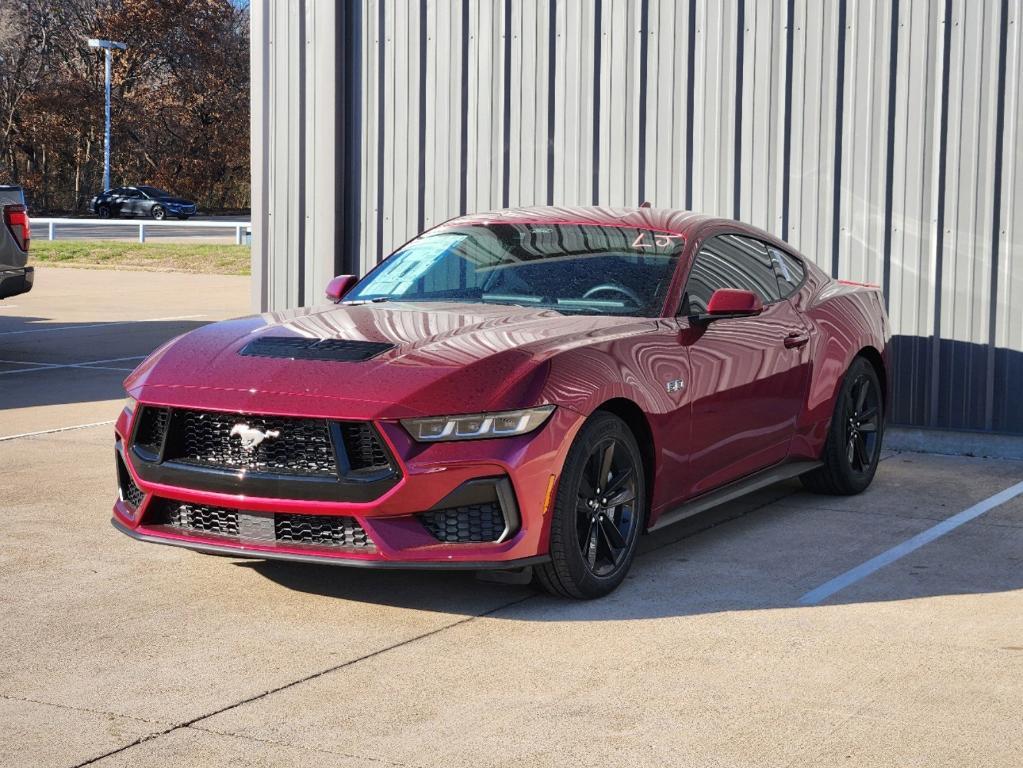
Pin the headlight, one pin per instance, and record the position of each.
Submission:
(477, 426)
(129, 405)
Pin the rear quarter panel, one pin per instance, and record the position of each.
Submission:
(844, 319)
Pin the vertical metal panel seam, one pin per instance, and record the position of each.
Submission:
(786, 163)
(463, 160)
(381, 122)
(836, 209)
(267, 141)
(889, 171)
(939, 245)
(303, 45)
(506, 107)
(597, 32)
(352, 234)
(740, 52)
(644, 52)
(421, 203)
(343, 132)
(552, 45)
(1003, 43)
(690, 101)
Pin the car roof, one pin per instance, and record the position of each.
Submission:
(689, 224)
(664, 219)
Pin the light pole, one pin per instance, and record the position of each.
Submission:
(108, 45)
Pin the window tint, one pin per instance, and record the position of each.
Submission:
(790, 270)
(730, 261)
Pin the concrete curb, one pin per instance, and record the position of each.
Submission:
(983, 444)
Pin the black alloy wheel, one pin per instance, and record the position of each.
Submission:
(103, 211)
(598, 512)
(605, 508)
(863, 409)
(853, 447)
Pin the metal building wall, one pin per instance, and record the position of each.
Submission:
(880, 137)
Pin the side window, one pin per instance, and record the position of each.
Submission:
(790, 270)
(730, 261)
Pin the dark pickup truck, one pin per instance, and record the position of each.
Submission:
(15, 234)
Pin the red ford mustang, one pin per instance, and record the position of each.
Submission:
(531, 387)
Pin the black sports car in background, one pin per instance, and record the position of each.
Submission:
(140, 201)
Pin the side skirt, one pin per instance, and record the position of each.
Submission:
(734, 490)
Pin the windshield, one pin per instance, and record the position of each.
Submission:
(571, 268)
(153, 192)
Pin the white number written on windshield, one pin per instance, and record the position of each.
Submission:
(658, 240)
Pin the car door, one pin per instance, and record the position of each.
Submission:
(748, 374)
(115, 200)
(134, 202)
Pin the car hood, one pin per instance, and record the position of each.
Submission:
(445, 358)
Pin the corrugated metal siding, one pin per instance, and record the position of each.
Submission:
(880, 137)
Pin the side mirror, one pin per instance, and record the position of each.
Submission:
(339, 286)
(731, 302)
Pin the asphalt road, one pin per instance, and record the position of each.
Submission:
(116, 653)
(128, 229)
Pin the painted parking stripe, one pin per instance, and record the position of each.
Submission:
(57, 429)
(91, 364)
(839, 583)
(99, 325)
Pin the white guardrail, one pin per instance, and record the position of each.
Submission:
(241, 228)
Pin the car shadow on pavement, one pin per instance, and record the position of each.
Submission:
(762, 552)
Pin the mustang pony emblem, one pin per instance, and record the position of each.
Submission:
(251, 437)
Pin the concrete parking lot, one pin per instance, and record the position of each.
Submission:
(116, 653)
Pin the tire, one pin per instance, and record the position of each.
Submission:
(159, 212)
(853, 446)
(592, 545)
(103, 211)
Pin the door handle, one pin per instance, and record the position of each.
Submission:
(796, 339)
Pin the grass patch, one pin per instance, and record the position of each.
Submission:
(157, 257)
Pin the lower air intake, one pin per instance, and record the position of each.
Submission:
(262, 527)
(131, 494)
(200, 518)
(472, 523)
(324, 531)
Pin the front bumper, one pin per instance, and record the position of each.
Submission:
(16, 281)
(430, 474)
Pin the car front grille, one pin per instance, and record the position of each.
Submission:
(364, 448)
(277, 445)
(471, 523)
(261, 527)
(289, 447)
(151, 429)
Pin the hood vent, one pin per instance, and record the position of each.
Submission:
(297, 348)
